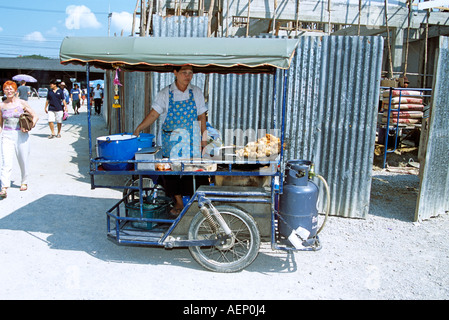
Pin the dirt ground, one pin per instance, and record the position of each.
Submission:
(406, 260)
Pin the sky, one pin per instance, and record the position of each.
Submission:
(30, 27)
(39, 26)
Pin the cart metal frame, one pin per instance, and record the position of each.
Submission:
(150, 238)
(118, 222)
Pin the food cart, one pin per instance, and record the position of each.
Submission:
(221, 235)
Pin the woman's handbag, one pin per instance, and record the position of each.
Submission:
(26, 121)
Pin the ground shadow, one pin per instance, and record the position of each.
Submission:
(80, 146)
(79, 224)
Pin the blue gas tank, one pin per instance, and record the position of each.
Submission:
(298, 202)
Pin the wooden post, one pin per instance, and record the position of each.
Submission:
(390, 73)
(149, 17)
(143, 17)
(247, 18)
(297, 17)
(227, 18)
(360, 14)
(426, 49)
(210, 14)
(200, 8)
(134, 18)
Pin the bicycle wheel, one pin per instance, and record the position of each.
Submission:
(235, 253)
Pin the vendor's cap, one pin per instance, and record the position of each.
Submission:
(62, 83)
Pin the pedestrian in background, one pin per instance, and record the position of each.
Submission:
(14, 139)
(23, 91)
(75, 94)
(66, 92)
(98, 98)
(83, 95)
(55, 107)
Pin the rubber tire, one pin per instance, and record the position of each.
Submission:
(245, 223)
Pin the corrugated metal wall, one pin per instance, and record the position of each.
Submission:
(332, 100)
(179, 26)
(433, 198)
(346, 120)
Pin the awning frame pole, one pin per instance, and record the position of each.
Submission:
(89, 126)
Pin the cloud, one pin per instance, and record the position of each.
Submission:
(53, 32)
(80, 17)
(123, 21)
(34, 36)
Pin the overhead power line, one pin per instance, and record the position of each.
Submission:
(15, 38)
(43, 10)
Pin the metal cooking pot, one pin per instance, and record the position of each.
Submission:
(120, 146)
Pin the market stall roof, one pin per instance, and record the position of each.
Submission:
(206, 55)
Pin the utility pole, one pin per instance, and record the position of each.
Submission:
(109, 23)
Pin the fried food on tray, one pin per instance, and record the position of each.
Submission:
(264, 147)
(163, 167)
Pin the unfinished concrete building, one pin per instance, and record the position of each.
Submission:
(410, 27)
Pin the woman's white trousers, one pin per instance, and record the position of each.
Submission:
(14, 142)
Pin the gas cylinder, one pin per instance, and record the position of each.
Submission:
(298, 203)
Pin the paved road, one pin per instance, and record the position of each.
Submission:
(53, 245)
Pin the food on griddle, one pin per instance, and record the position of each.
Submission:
(163, 167)
(263, 147)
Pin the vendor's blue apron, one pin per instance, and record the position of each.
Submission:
(180, 135)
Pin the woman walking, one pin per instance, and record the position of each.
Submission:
(14, 139)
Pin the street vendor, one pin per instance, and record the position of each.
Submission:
(182, 112)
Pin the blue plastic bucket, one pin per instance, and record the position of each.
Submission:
(145, 140)
(117, 147)
(150, 211)
(154, 210)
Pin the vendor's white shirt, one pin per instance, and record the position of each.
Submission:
(160, 104)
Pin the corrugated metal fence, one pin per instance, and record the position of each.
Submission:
(433, 198)
(332, 99)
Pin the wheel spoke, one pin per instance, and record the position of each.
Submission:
(235, 251)
(241, 239)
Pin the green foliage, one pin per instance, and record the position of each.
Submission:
(34, 56)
